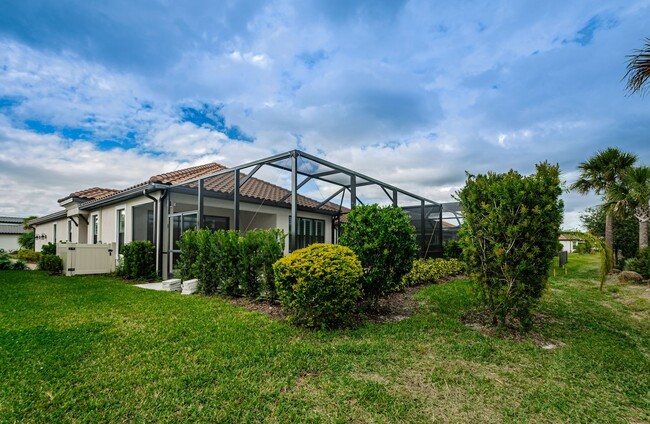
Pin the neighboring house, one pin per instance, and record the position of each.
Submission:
(569, 242)
(10, 230)
(153, 210)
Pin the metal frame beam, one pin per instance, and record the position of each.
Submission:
(293, 230)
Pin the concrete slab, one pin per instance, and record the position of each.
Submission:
(151, 286)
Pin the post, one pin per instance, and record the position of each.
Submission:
(236, 200)
(293, 231)
(395, 198)
(423, 240)
(353, 191)
(200, 204)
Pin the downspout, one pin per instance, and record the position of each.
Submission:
(155, 233)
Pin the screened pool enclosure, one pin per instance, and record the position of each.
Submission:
(308, 198)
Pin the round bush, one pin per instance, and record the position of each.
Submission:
(51, 263)
(319, 285)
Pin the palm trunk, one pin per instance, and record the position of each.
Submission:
(643, 234)
(609, 230)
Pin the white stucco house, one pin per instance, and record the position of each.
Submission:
(10, 229)
(212, 196)
(154, 210)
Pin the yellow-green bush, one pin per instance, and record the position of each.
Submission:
(319, 285)
(432, 270)
(28, 255)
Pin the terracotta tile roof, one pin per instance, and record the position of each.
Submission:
(181, 175)
(262, 190)
(90, 193)
(224, 184)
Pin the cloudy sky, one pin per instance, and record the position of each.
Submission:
(412, 92)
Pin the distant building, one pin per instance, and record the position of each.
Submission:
(569, 242)
(10, 229)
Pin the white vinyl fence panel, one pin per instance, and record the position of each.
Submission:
(81, 259)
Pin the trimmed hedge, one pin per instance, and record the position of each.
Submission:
(319, 285)
(138, 261)
(228, 262)
(432, 270)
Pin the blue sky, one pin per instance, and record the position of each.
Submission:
(412, 92)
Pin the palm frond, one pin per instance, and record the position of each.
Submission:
(638, 69)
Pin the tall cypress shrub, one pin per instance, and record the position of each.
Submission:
(510, 232)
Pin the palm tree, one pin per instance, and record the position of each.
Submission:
(634, 194)
(638, 69)
(600, 173)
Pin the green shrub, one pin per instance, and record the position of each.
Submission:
(5, 262)
(582, 248)
(138, 260)
(189, 247)
(260, 249)
(510, 231)
(641, 263)
(452, 249)
(48, 249)
(51, 263)
(28, 255)
(319, 285)
(432, 270)
(225, 261)
(384, 241)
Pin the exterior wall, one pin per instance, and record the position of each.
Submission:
(48, 229)
(568, 245)
(9, 242)
(108, 220)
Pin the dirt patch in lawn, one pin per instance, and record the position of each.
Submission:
(481, 321)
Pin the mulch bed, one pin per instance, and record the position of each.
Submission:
(393, 308)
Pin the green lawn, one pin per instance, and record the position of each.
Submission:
(95, 349)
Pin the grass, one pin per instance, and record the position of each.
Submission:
(95, 349)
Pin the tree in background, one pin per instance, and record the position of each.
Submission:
(633, 194)
(626, 236)
(638, 69)
(26, 240)
(601, 173)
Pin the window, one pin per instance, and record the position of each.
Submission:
(309, 231)
(143, 228)
(216, 222)
(54, 231)
(180, 223)
(121, 225)
(69, 231)
(95, 228)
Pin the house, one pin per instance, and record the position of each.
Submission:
(10, 230)
(569, 242)
(161, 208)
